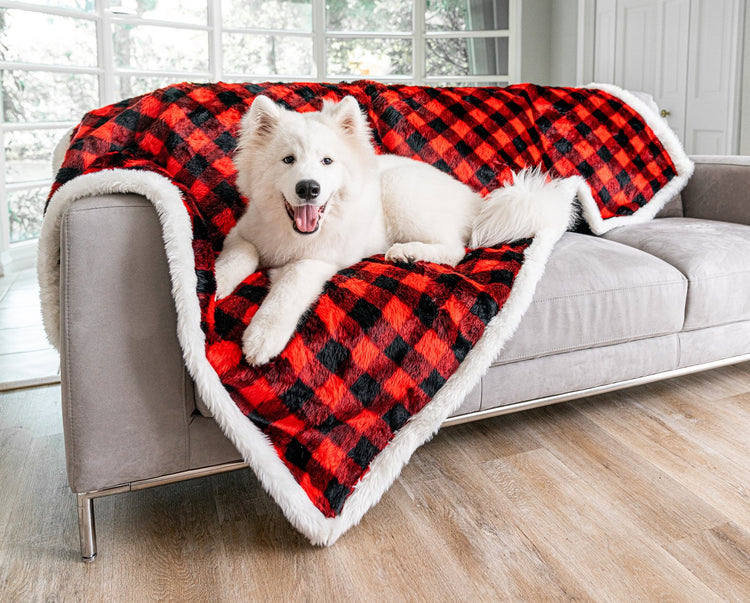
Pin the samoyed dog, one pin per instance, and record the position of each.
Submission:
(320, 200)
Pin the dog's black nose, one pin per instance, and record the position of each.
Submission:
(307, 189)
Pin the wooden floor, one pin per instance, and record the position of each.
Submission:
(641, 495)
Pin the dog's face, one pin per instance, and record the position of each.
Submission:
(299, 163)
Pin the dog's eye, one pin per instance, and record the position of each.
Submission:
(327, 161)
(289, 159)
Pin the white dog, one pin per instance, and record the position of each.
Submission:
(320, 200)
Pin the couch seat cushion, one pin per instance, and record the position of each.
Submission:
(596, 292)
(712, 255)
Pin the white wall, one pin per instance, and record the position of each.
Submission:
(549, 42)
(536, 17)
(563, 42)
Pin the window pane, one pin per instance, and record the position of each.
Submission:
(372, 57)
(267, 14)
(36, 38)
(373, 15)
(127, 86)
(25, 209)
(160, 48)
(184, 11)
(28, 154)
(268, 55)
(467, 56)
(41, 96)
(466, 15)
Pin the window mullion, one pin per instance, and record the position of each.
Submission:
(106, 53)
(47, 68)
(5, 208)
(161, 73)
(50, 10)
(137, 21)
(319, 38)
(475, 33)
(514, 41)
(28, 184)
(418, 45)
(215, 52)
(10, 126)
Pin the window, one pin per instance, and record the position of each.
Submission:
(60, 58)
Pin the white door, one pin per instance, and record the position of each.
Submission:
(713, 81)
(672, 49)
(642, 45)
(685, 53)
(636, 44)
(605, 33)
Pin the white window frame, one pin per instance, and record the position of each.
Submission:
(22, 253)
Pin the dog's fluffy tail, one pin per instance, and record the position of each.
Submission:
(520, 209)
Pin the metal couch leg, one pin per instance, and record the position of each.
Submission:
(86, 527)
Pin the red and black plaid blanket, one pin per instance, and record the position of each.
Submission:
(383, 340)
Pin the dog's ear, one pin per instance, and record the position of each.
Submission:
(262, 117)
(347, 115)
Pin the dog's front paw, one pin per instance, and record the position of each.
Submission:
(260, 344)
(401, 252)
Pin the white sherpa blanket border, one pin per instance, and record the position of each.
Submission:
(255, 448)
(672, 145)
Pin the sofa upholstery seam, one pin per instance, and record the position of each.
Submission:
(721, 324)
(592, 345)
(714, 276)
(614, 290)
(74, 209)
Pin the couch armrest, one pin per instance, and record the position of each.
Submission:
(127, 399)
(719, 189)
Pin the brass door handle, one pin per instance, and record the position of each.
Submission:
(665, 113)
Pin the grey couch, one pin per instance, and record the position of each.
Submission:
(641, 303)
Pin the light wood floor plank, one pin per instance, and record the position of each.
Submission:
(720, 557)
(721, 482)
(578, 525)
(38, 549)
(713, 425)
(635, 495)
(495, 556)
(656, 503)
(14, 450)
(713, 385)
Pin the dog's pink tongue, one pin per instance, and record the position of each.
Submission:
(306, 217)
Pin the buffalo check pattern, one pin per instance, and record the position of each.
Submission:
(376, 347)
(383, 338)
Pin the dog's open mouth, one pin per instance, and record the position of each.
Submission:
(305, 218)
